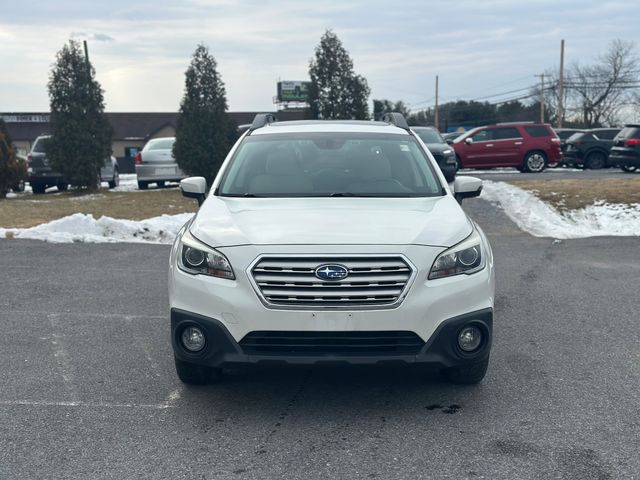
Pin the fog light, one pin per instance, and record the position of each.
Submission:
(469, 339)
(193, 339)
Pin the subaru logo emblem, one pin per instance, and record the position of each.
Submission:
(331, 272)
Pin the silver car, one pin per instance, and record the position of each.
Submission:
(156, 164)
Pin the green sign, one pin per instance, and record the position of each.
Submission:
(293, 91)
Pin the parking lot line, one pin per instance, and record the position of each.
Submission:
(45, 403)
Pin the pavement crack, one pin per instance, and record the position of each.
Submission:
(285, 413)
(63, 360)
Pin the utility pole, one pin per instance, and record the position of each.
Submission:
(86, 56)
(437, 115)
(561, 86)
(541, 96)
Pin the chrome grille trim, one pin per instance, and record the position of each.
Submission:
(288, 282)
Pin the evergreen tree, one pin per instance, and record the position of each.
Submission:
(380, 107)
(81, 140)
(336, 92)
(204, 131)
(7, 160)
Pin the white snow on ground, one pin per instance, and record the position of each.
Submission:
(128, 183)
(84, 228)
(542, 220)
(525, 209)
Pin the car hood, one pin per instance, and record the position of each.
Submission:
(438, 147)
(434, 221)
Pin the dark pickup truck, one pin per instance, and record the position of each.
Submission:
(41, 175)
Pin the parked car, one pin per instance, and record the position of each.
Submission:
(625, 152)
(529, 147)
(331, 241)
(41, 175)
(155, 163)
(451, 136)
(441, 150)
(39, 171)
(564, 134)
(590, 149)
(110, 172)
(20, 174)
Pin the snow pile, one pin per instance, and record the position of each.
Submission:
(541, 220)
(84, 228)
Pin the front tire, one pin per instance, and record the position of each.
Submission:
(629, 168)
(595, 161)
(534, 162)
(143, 185)
(467, 374)
(193, 374)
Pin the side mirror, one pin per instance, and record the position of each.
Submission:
(194, 187)
(468, 140)
(466, 187)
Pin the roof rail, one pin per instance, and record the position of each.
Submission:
(516, 123)
(262, 119)
(397, 119)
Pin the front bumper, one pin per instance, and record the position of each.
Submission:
(448, 169)
(230, 310)
(626, 159)
(572, 158)
(440, 350)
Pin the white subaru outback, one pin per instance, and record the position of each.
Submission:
(331, 241)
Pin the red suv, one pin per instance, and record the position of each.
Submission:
(530, 147)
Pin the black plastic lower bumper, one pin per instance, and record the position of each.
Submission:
(625, 160)
(441, 350)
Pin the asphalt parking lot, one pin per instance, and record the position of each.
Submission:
(88, 388)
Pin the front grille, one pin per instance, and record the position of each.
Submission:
(331, 343)
(371, 281)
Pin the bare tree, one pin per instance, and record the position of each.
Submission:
(599, 91)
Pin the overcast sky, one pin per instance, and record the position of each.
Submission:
(141, 49)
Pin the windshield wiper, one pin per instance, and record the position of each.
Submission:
(343, 194)
(245, 195)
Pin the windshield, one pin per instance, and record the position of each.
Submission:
(466, 134)
(629, 132)
(160, 144)
(330, 164)
(38, 147)
(580, 136)
(428, 135)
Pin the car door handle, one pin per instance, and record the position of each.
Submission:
(489, 145)
(517, 143)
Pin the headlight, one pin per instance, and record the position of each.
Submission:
(447, 151)
(197, 258)
(466, 257)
